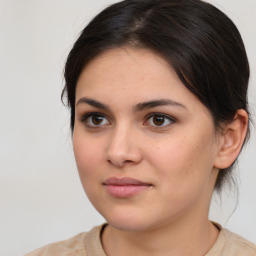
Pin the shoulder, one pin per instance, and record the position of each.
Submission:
(231, 244)
(72, 246)
(75, 246)
(237, 245)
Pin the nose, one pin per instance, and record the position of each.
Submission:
(123, 148)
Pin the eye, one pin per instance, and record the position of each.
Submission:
(159, 120)
(94, 120)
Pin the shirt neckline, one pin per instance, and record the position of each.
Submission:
(93, 245)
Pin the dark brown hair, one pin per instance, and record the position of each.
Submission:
(199, 42)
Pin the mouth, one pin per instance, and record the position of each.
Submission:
(125, 187)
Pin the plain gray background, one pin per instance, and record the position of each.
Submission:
(41, 199)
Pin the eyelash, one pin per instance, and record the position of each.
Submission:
(86, 120)
(161, 115)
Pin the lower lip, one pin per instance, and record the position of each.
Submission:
(125, 191)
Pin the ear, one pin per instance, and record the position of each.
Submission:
(231, 140)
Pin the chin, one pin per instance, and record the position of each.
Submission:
(128, 225)
(130, 221)
(123, 218)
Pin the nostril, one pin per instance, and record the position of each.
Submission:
(128, 161)
(119, 162)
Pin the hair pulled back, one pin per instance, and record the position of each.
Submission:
(199, 42)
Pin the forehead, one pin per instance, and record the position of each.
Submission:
(134, 75)
(126, 68)
(119, 62)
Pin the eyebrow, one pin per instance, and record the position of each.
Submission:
(93, 103)
(155, 103)
(138, 107)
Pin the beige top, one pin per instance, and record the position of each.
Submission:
(89, 244)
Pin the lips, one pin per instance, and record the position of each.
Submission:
(125, 187)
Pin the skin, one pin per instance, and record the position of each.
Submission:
(178, 158)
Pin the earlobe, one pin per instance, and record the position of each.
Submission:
(232, 139)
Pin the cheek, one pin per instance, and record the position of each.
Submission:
(88, 157)
(87, 154)
(183, 162)
(184, 173)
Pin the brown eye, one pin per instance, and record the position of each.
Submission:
(159, 120)
(95, 120)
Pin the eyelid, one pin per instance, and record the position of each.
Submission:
(161, 114)
(170, 118)
(85, 116)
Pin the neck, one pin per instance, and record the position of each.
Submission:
(172, 240)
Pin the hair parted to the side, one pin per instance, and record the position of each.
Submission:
(199, 42)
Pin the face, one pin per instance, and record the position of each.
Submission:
(144, 145)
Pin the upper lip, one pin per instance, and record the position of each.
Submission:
(124, 181)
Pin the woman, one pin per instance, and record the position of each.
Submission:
(158, 96)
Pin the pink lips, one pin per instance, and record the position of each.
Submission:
(125, 187)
